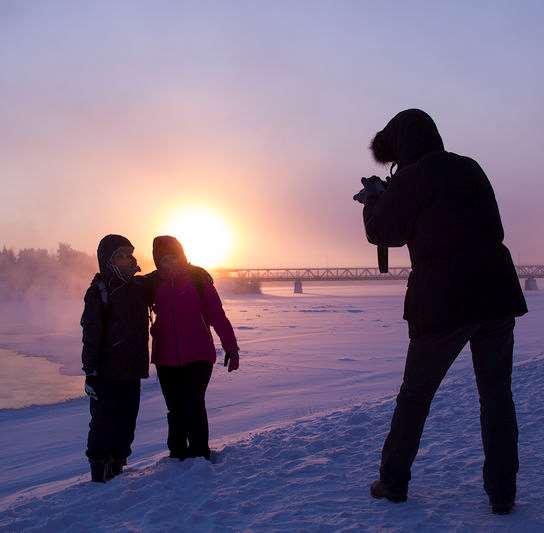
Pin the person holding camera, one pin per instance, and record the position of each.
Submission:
(463, 288)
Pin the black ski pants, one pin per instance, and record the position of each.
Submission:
(113, 419)
(428, 360)
(184, 391)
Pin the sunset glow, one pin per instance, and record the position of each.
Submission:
(204, 234)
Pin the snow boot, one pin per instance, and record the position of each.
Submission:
(99, 470)
(116, 467)
(502, 507)
(380, 490)
(199, 452)
(181, 455)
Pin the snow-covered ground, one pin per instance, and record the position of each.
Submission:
(298, 430)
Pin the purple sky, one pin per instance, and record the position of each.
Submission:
(114, 115)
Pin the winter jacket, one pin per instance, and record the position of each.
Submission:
(115, 321)
(442, 206)
(186, 305)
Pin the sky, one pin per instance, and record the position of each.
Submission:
(118, 117)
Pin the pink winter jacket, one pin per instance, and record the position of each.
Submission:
(181, 331)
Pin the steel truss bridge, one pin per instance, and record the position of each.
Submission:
(342, 273)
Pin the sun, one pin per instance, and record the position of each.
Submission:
(205, 236)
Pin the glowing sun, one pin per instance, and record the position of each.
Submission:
(205, 236)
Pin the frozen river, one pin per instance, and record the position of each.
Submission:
(40, 342)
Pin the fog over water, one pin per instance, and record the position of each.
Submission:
(41, 338)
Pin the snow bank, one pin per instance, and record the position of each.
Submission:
(314, 475)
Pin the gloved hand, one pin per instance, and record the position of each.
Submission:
(91, 382)
(232, 359)
(373, 186)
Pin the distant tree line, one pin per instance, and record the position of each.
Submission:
(37, 273)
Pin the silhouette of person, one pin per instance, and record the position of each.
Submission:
(186, 306)
(463, 288)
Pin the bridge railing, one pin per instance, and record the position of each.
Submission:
(342, 273)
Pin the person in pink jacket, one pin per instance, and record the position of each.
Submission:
(186, 305)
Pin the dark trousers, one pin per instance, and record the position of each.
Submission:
(113, 419)
(184, 390)
(429, 358)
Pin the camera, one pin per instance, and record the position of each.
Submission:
(375, 186)
(359, 197)
(371, 186)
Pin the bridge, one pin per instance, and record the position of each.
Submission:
(252, 277)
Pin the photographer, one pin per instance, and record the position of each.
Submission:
(463, 288)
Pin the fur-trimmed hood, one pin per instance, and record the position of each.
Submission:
(406, 138)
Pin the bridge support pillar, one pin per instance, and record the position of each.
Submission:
(246, 286)
(298, 286)
(530, 284)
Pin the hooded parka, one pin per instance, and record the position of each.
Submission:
(442, 206)
(115, 320)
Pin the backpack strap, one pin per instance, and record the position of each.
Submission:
(199, 277)
(198, 283)
(103, 290)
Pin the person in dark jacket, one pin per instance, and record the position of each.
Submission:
(186, 305)
(463, 288)
(115, 355)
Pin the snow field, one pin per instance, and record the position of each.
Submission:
(314, 475)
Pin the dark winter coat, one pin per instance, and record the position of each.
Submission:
(443, 207)
(115, 321)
